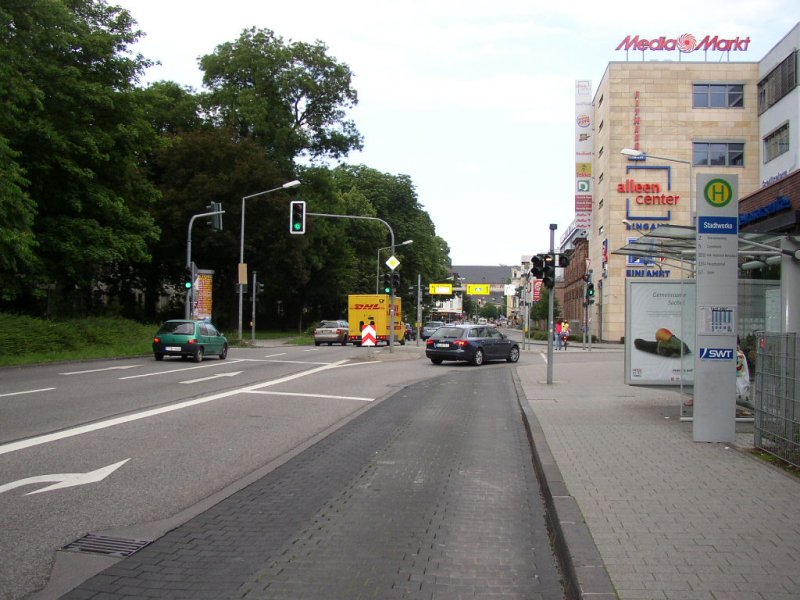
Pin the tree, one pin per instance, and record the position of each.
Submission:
(71, 138)
(289, 97)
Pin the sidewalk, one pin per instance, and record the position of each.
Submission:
(671, 519)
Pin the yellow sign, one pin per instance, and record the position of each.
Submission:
(478, 289)
(440, 288)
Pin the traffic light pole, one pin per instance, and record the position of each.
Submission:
(551, 299)
(190, 292)
(392, 295)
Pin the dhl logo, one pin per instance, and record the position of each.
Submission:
(366, 306)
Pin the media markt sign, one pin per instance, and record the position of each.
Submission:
(717, 246)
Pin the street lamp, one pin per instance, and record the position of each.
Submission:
(378, 272)
(643, 155)
(242, 266)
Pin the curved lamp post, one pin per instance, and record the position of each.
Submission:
(378, 271)
(242, 267)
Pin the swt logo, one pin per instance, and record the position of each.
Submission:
(716, 353)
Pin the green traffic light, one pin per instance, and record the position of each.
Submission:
(188, 285)
(298, 226)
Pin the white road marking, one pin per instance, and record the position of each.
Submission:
(27, 392)
(274, 355)
(63, 480)
(220, 363)
(119, 368)
(313, 395)
(81, 429)
(217, 376)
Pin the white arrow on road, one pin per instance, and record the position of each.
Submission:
(231, 374)
(64, 480)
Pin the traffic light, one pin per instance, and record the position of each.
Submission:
(549, 274)
(188, 278)
(297, 217)
(537, 266)
(396, 281)
(590, 293)
(563, 261)
(216, 220)
(387, 283)
(260, 287)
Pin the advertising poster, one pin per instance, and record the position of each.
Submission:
(203, 294)
(659, 332)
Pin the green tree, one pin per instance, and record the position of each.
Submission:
(290, 97)
(74, 137)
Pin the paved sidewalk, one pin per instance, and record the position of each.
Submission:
(672, 519)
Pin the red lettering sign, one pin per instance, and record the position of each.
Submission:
(685, 43)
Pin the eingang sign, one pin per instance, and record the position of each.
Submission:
(685, 43)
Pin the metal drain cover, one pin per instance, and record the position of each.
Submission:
(109, 546)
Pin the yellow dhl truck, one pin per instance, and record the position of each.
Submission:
(373, 309)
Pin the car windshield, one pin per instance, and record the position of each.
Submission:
(329, 324)
(449, 333)
(433, 324)
(179, 327)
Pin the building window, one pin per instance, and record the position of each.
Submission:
(600, 127)
(600, 204)
(776, 143)
(778, 83)
(600, 152)
(718, 95)
(718, 154)
(600, 178)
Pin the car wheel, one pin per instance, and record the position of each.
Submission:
(344, 342)
(436, 361)
(198, 356)
(158, 356)
(316, 343)
(224, 354)
(477, 360)
(513, 354)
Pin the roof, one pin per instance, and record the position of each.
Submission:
(677, 243)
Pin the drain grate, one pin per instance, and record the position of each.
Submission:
(103, 544)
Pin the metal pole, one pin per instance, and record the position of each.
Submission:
(551, 299)
(378, 271)
(286, 185)
(419, 307)
(253, 317)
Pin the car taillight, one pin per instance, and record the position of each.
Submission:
(461, 343)
(192, 341)
(156, 340)
(429, 342)
(315, 332)
(339, 331)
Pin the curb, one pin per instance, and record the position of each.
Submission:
(582, 567)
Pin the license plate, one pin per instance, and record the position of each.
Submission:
(442, 345)
(173, 348)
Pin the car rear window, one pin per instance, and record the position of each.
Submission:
(449, 333)
(329, 324)
(179, 327)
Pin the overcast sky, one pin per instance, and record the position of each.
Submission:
(473, 100)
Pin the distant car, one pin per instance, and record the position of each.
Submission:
(331, 332)
(411, 333)
(430, 327)
(470, 343)
(189, 339)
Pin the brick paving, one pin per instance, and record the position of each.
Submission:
(672, 519)
(430, 494)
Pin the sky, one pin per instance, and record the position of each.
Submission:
(473, 100)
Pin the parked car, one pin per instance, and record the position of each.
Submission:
(471, 343)
(186, 338)
(332, 332)
(430, 327)
(411, 333)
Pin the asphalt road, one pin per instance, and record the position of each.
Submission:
(135, 447)
(181, 431)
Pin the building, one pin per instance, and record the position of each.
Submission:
(683, 117)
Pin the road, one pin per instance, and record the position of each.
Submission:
(136, 447)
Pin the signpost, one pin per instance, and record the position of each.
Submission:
(714, 415)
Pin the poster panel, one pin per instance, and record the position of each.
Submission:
(659, 332)
(202, 295)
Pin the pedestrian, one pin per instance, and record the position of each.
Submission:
(558, 335)
(565, 334)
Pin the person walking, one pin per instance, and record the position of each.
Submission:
(565, 334)
(558, 335)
